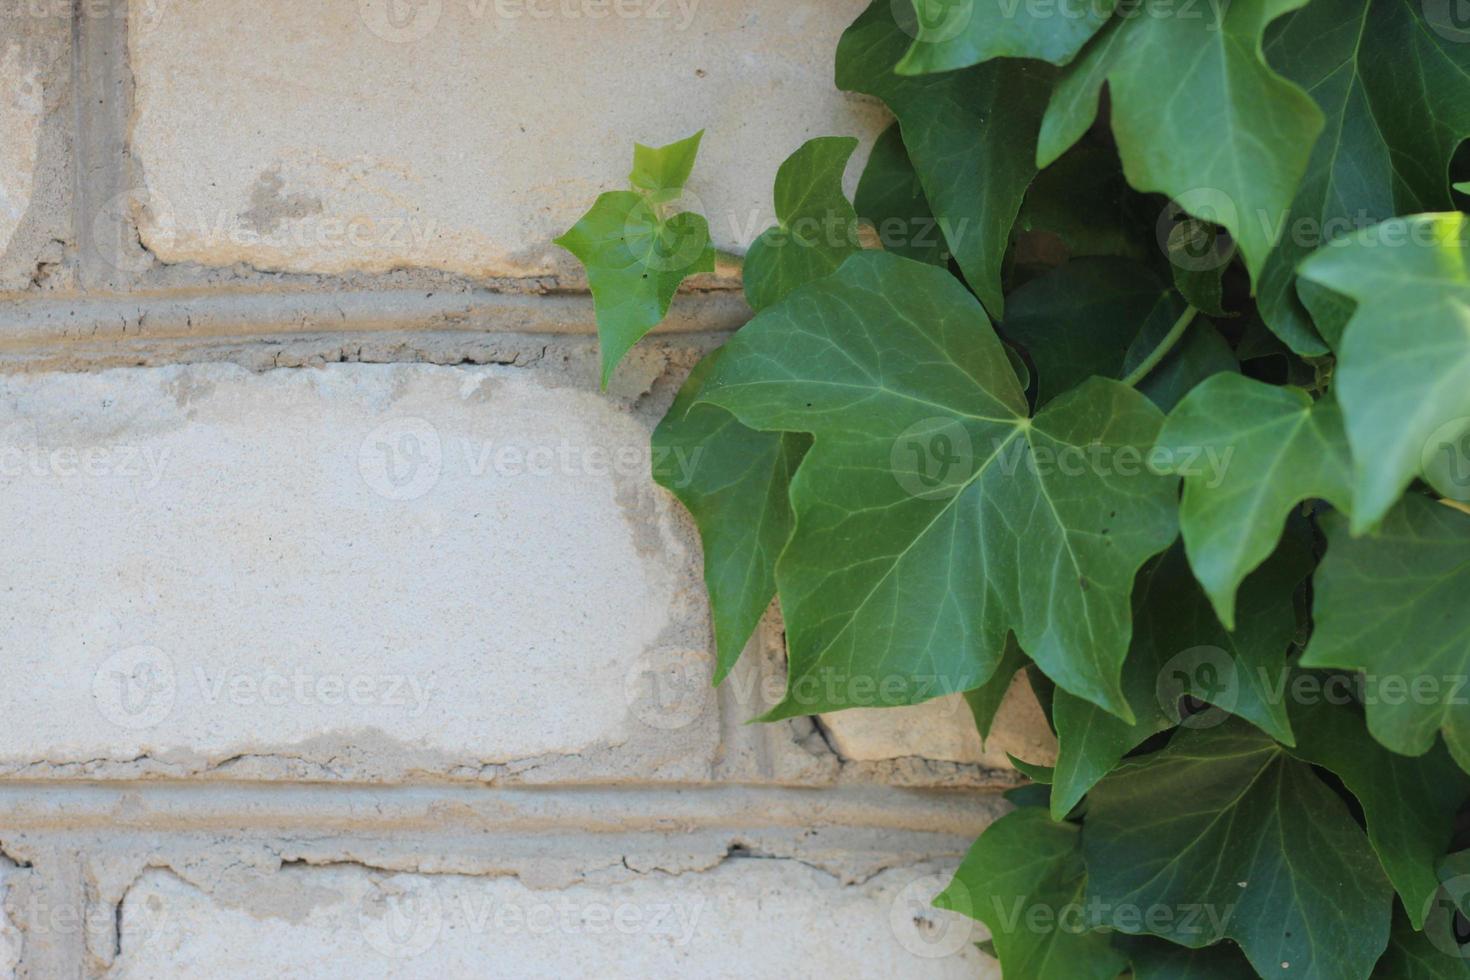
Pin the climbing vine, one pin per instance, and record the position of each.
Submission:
(1139, 363)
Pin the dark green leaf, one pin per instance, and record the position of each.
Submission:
(969, 133)
(950, 34)
(1393, 78)
(985, 700)
(817, 226)
(1202, 354)
(1248, 452)
(891, 198)
(1223, 834)
(1154, 959)
(933, 516)
(1393, 603)
(1024, 879)
(1432, 954)
(1084, 200)
(1197, 113)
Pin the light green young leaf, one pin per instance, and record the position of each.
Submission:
(951, 34)
(1409, 805)
(933, 516)
(1393, 603)
(1226, 824)
(1197, 113)
(1179, 648)
(970, 134)
(1249, 452)
(635, 255)
(1023, 870)
(1403, 370)
(734, 482)
(1393, 79)
(817, 229)
(891, 197)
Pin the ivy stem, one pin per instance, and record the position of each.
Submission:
(1162, 350)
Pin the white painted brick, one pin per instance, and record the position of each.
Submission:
(368, 570)
(466, 134)
(746, 918)
(944, 729)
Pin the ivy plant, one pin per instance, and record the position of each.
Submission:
(1139, 363)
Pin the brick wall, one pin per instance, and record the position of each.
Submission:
(345, 633)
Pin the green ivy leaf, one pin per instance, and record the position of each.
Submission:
(1084, 200)
(1248, 452)
(969, 133)
(1196, 112)
(951, 34)
(734, 482)
(817, 226)
(1202, 354)
(1080, 319)
(635, 256)
(1393, 603)
(1153, 959)
(1227, 822)
(932, 515)
(891, 198)
(1179, 648)
(985, 700)
(1403, 370)
(1024, 880)
(1409, 805)
(1429, 955)
(1393, 79)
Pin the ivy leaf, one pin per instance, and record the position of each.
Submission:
(635, 256)
(933, 516)
(1024, 880)
(1084, 200)
(1403, 370)
(951, 34)
(1409, 805)
(969, 133)
(1393, 79)
(1393, 603)
(1234, 838)
(1153, 959)
(891, 198)
(1180, 649)
(817, 229)
(734, 482)
(1202, 354)
(1080, 319)
(1196, 112)
(1433, 954)
(985, 700)
(1249, 452)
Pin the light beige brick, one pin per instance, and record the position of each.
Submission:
(358, 571)
(461, 135)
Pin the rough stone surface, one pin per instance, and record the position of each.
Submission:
(374, 135)
(35, 75)
(372, 570)
(742, 918)
(944, 730)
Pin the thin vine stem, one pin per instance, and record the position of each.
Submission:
(1176, 332)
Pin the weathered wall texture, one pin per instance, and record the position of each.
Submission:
(346, 633)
